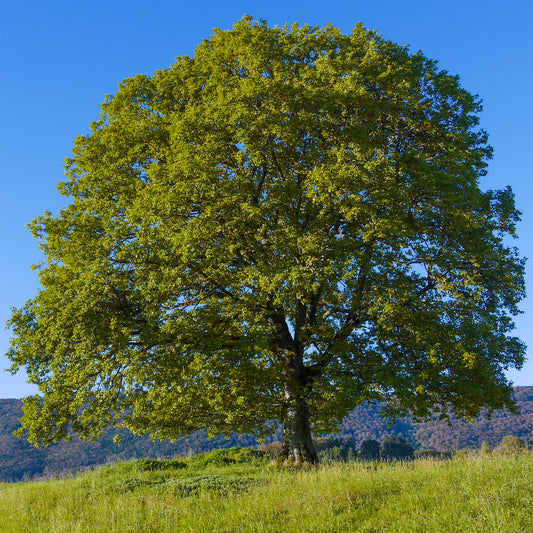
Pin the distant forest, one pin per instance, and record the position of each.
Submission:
(21, 461)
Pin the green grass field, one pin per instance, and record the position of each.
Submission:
(237, 491)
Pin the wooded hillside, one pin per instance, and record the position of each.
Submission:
(21, 461)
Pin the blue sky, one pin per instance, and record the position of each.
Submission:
(59, 60)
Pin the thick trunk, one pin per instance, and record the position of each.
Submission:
(297, 445)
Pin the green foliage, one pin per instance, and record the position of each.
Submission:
(396, 448)
(511, 445)
(392, 448)
(281, 227)
(333, 449)
(370, 449)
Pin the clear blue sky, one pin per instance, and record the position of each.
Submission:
(59, 60)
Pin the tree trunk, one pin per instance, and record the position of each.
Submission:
(297, 445)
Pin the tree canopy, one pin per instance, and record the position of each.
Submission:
(281, 227)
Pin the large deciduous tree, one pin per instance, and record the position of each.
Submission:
(283, 226)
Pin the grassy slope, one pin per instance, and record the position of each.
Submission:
(202, 494)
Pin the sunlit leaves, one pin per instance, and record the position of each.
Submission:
(290, 213)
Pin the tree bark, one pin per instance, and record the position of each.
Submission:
(297, 446)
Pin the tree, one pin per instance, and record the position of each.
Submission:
(511, 445)
(369, 449)
(396, 448)
(279, 228)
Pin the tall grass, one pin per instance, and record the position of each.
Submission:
(492, 494)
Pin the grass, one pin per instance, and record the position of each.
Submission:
(239, 491)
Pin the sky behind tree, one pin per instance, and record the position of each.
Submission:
(61, 58)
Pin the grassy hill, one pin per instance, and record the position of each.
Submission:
(239, 490)
(20, 461)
